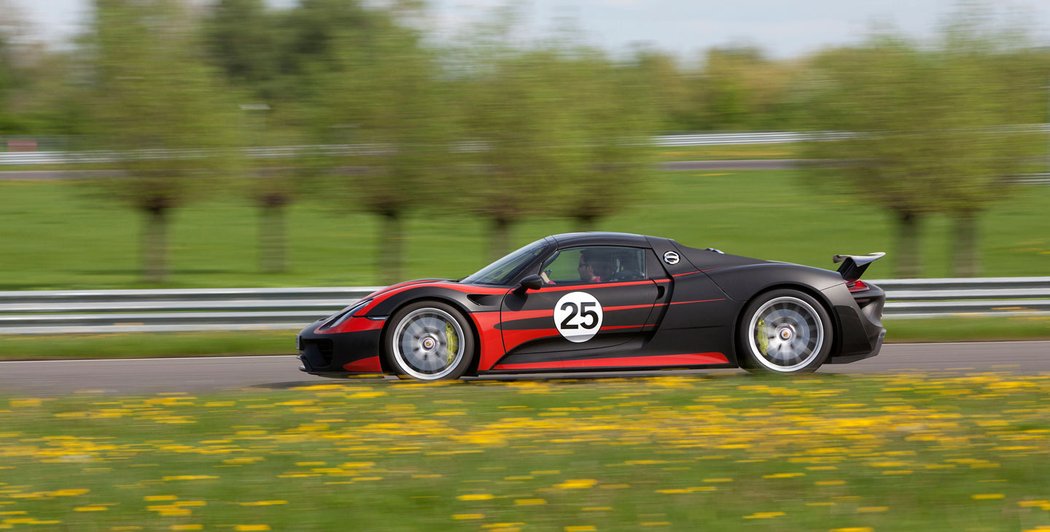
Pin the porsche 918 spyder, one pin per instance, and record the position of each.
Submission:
(606, 301)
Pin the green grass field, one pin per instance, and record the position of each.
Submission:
(57, 236)
(828, 452)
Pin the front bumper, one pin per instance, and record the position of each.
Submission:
(340, 353)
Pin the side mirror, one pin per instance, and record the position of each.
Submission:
(530, 282)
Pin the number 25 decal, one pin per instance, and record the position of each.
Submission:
(578, 316)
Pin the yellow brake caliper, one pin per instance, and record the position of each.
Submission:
(763, 341)
(453, 342)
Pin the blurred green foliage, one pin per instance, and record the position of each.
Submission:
(931, 130)
(390, 122)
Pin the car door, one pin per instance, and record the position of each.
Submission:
(597, 301)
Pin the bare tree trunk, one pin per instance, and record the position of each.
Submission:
(908, 261)
(500, 238)
(965, 259)
(273, 234)
(391, 242)
(155, 242)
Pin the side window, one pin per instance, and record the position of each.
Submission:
(595, 264)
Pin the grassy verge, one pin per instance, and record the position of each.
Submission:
(283, 342)
(57, 236)
(135, 345)
(680, 453)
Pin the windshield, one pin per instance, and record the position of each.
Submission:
(505, 269)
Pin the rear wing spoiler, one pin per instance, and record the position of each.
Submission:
(853, 266)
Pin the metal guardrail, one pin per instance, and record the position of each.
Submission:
(27, 158)
(109, 311)
(24, 158)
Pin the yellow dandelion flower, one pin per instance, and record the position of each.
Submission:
(189, 477)
(476, 497)
(872, 509)
(91, 508)
(467, 517)
(987, 496)
(764, 515)
(529, 502)
(263, 503)
(854, 529)
(577, 484)
(170, 511)
(784, 475)
(580, 528)
(69, 492)
(357, 465)
(186, 527)
(159, 498)
(251, 528)
(1038, 503)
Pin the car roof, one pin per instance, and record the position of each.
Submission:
(600, 239)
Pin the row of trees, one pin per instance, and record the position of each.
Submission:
(497, 128)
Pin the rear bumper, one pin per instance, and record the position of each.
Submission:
(860, 333)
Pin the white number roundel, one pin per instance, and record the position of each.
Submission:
(578, 316)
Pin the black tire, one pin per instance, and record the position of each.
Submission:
(798, 339)
(428, 341)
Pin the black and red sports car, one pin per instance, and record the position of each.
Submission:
(606, 301)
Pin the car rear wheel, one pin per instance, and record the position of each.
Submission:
(429, 341)
(785, 331)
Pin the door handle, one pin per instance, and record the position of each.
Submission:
(660, 291)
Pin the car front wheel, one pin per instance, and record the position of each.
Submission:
(429, 341)
(785, 331)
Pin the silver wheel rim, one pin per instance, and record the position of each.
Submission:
(785, 334)
(428, 344)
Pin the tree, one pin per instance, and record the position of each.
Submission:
(984, 101)
(615, 118)
(520, 117)
(384, 98)
(669, 89)
(929, 134)
(877, 92)
(10, 75)
(159, 109)
(245, 41)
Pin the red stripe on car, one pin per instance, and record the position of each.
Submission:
(684, 359)
(364, 365)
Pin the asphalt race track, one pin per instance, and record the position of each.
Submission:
(206, 374)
